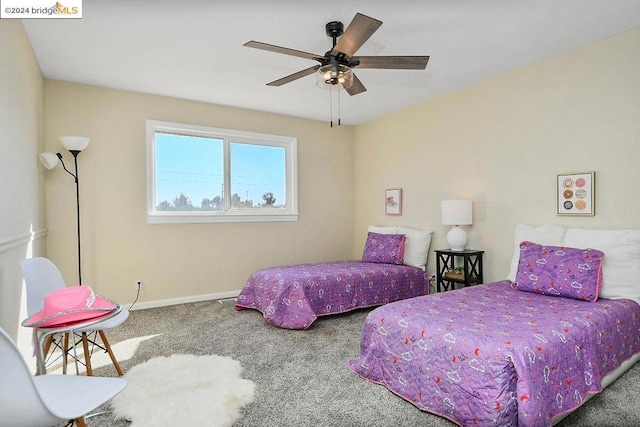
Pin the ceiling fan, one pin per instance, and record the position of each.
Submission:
(335, 66)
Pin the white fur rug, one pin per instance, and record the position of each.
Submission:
(184, 390)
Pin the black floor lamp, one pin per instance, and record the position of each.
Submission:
(75, 145)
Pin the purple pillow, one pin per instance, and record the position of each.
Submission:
(384, 248)
(559, 271)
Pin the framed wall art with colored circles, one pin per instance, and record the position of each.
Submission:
(576, 194)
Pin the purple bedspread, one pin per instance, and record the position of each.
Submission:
(492, 355)
(293, 296)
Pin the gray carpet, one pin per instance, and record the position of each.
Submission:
(302, 377)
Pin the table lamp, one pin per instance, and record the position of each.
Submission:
(456, 213)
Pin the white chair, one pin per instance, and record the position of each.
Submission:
(43, 277)
(47, 400)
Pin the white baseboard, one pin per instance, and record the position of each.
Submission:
(182, 300)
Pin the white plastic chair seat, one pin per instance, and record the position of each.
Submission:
(54, 391)
(46, 400)
(112, 322)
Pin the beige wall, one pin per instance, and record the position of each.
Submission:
(502, 142)
(22, 217)
(181, 262)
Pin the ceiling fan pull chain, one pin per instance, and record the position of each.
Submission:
(331, 107)
(339, 106)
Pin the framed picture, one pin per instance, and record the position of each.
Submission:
(576, 194)
(393, 201)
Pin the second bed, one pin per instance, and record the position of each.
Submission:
(294, 296)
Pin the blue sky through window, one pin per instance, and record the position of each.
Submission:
(194, 166)
(256, 170)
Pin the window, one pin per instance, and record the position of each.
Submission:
(202, 174)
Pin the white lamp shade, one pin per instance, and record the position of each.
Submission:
(49, 160)
(456, 212)
(74, 143)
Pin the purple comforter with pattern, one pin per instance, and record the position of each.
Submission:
(293, 296)
(492, 355)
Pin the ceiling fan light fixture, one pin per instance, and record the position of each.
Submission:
(331, 75)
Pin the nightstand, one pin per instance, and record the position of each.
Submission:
(446, 260)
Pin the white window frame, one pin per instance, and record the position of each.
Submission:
(287, 213)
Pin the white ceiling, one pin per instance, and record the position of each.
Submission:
(193, 49)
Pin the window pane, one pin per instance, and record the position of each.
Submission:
(258, 176)
(189, 173)
(193, 172)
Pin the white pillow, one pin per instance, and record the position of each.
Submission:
(543, 235)
(416, 246)
(621, 263)
(383, 230)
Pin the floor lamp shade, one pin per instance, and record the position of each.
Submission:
(74, 143)
(49, 160)
(456, 213)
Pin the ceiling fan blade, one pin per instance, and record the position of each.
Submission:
(358, 32)
(294, 76)
(357, 87)
(280, 49)
(393, 62)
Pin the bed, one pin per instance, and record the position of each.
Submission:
(294, 296)
(525, 351)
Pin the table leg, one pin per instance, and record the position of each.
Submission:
(87, 355)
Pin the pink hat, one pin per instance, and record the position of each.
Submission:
(70, 305)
